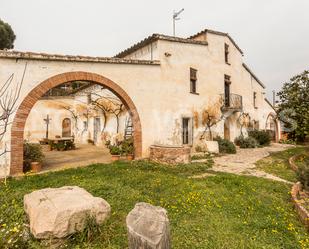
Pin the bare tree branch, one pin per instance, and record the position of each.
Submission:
(9, 96)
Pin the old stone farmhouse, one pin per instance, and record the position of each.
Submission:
(165, 83)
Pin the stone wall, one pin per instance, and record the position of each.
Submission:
(170, 154)
(301, 210)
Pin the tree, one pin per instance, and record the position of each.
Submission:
(294, 104)
(7, 36)
(109, 105)
(211, 115)
(9, 95)
(243, 121)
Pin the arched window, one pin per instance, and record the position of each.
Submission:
(66, 127)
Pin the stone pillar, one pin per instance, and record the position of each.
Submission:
(148, 227)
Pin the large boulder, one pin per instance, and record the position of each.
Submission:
(59, 212)
(148, 227)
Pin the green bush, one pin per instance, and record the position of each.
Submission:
(262, 137)
(287, 141)
(225, 146)
(303, 175)
(114, 149)
(32, 153)
(69, 145)
(248, 142)
(127, 147)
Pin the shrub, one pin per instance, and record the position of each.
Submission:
(286, 141)
(225, 146)
(262, 137)
(303, 175)
(32, 153)
(248, 142)
(114, 149)
(69, 145)
(127, 147)
(238, 140)
(198, 148)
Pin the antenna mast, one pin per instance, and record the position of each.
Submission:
(176, 18)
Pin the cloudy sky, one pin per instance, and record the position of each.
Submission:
(274, 34)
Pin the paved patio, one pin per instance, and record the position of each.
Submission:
(243, 163)
(83, 155)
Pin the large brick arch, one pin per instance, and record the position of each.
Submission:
(17, 132)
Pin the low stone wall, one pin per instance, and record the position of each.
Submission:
(169, 154)
(292, 162)
(302, 212)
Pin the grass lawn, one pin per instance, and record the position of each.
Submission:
(278, 163)
(221, 211)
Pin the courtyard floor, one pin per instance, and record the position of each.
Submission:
(83, 155)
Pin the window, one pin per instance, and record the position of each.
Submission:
(226, 53)
(186, 131)
(227, 91)
(254, 100)
(193, 79)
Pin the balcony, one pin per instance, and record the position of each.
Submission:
(231, 102)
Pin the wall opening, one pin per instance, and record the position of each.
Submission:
(18, 126)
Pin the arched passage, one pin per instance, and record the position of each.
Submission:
(17, 132)
(272, 127)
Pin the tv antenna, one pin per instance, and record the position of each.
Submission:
(176, 18)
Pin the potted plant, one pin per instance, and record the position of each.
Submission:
(128, 149)
(33, 157)
(115, 152)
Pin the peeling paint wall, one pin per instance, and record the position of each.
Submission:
(161, 93)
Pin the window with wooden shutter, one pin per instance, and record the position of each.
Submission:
(226, 53)
(193, 80)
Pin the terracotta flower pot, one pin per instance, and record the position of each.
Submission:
(115, 158)
(130, 157)
(36, 167)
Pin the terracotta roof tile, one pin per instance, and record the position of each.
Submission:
(154, 38)
(217, 33)
(78, 58)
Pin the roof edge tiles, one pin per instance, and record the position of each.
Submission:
(156, 37)
(75, 58)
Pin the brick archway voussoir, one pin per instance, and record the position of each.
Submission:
(17, 130)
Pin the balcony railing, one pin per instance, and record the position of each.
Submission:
(231, 102)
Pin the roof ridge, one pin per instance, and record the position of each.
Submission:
(155, 37)
(211, 31)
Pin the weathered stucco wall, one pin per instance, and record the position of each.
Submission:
(161, 91)
(35, 128)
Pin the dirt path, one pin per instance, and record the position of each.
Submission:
(243, 162)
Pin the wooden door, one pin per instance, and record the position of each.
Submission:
(185, 130)
(66, 127)
(96, 129)
(227, 132)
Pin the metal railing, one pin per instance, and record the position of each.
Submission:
(231, 101)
